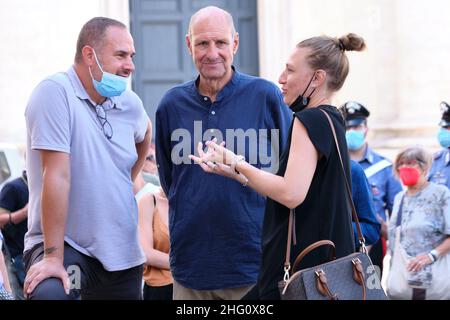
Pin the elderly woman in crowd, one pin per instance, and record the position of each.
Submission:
(419, 232)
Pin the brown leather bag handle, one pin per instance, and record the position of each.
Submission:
(312, 247)
(362, 241)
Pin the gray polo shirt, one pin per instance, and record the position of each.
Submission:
(102, 213)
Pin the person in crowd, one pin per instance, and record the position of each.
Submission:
(13, 222)
(377, 168)
(310, 168)
(419, 232)
(362, 198)
(150, 168)
(5, 287)
(148, 180)
(440, 170)
(87, 139)
(154, 239)
(215, 223)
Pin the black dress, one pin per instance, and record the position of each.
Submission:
(324, 214)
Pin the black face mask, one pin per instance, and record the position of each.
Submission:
(24, 176)
(302, 102)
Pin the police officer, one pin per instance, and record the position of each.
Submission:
(440, 170)
(378, 169)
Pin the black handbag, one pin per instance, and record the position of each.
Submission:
(352, 277)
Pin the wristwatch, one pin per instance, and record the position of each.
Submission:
(434, 254)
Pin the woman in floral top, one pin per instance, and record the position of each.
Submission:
(419, 230)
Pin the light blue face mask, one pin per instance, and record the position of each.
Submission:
(355, 139)
(444, 137)
(110, 85)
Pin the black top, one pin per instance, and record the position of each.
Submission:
(324, 214)
(13, 197)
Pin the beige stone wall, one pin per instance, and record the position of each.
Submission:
(401, 77)
(38, 39)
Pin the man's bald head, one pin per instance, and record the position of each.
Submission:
(213, 13)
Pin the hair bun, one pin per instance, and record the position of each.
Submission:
(351, 42)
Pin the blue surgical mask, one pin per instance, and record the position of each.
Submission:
(444, 137)
(110, 85)
(355, 139)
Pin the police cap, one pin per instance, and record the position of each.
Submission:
(354, 113)
(445, 109)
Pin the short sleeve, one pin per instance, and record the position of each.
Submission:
(141, 122)
(318, 129)
(48, 118)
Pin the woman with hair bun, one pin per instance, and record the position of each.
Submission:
(310, 178)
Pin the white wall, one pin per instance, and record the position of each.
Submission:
(38, 39)
(401, 77)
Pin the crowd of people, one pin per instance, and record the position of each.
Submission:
(206, 216)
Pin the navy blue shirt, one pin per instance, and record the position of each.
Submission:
(13, 197)
(440, 170)
(215, 222)
(362, 198)
(383, 183)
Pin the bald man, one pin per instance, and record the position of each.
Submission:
(215, 223)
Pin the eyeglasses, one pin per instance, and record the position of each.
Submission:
(106, 126)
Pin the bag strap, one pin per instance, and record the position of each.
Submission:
(312, 247)
(287, 262)
(398, 223)
(362, 240)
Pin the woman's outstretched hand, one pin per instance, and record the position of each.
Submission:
(213, 159)
(206, 162)
(218, 153)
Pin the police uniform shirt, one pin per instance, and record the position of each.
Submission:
(440, 169)
(383, 184)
